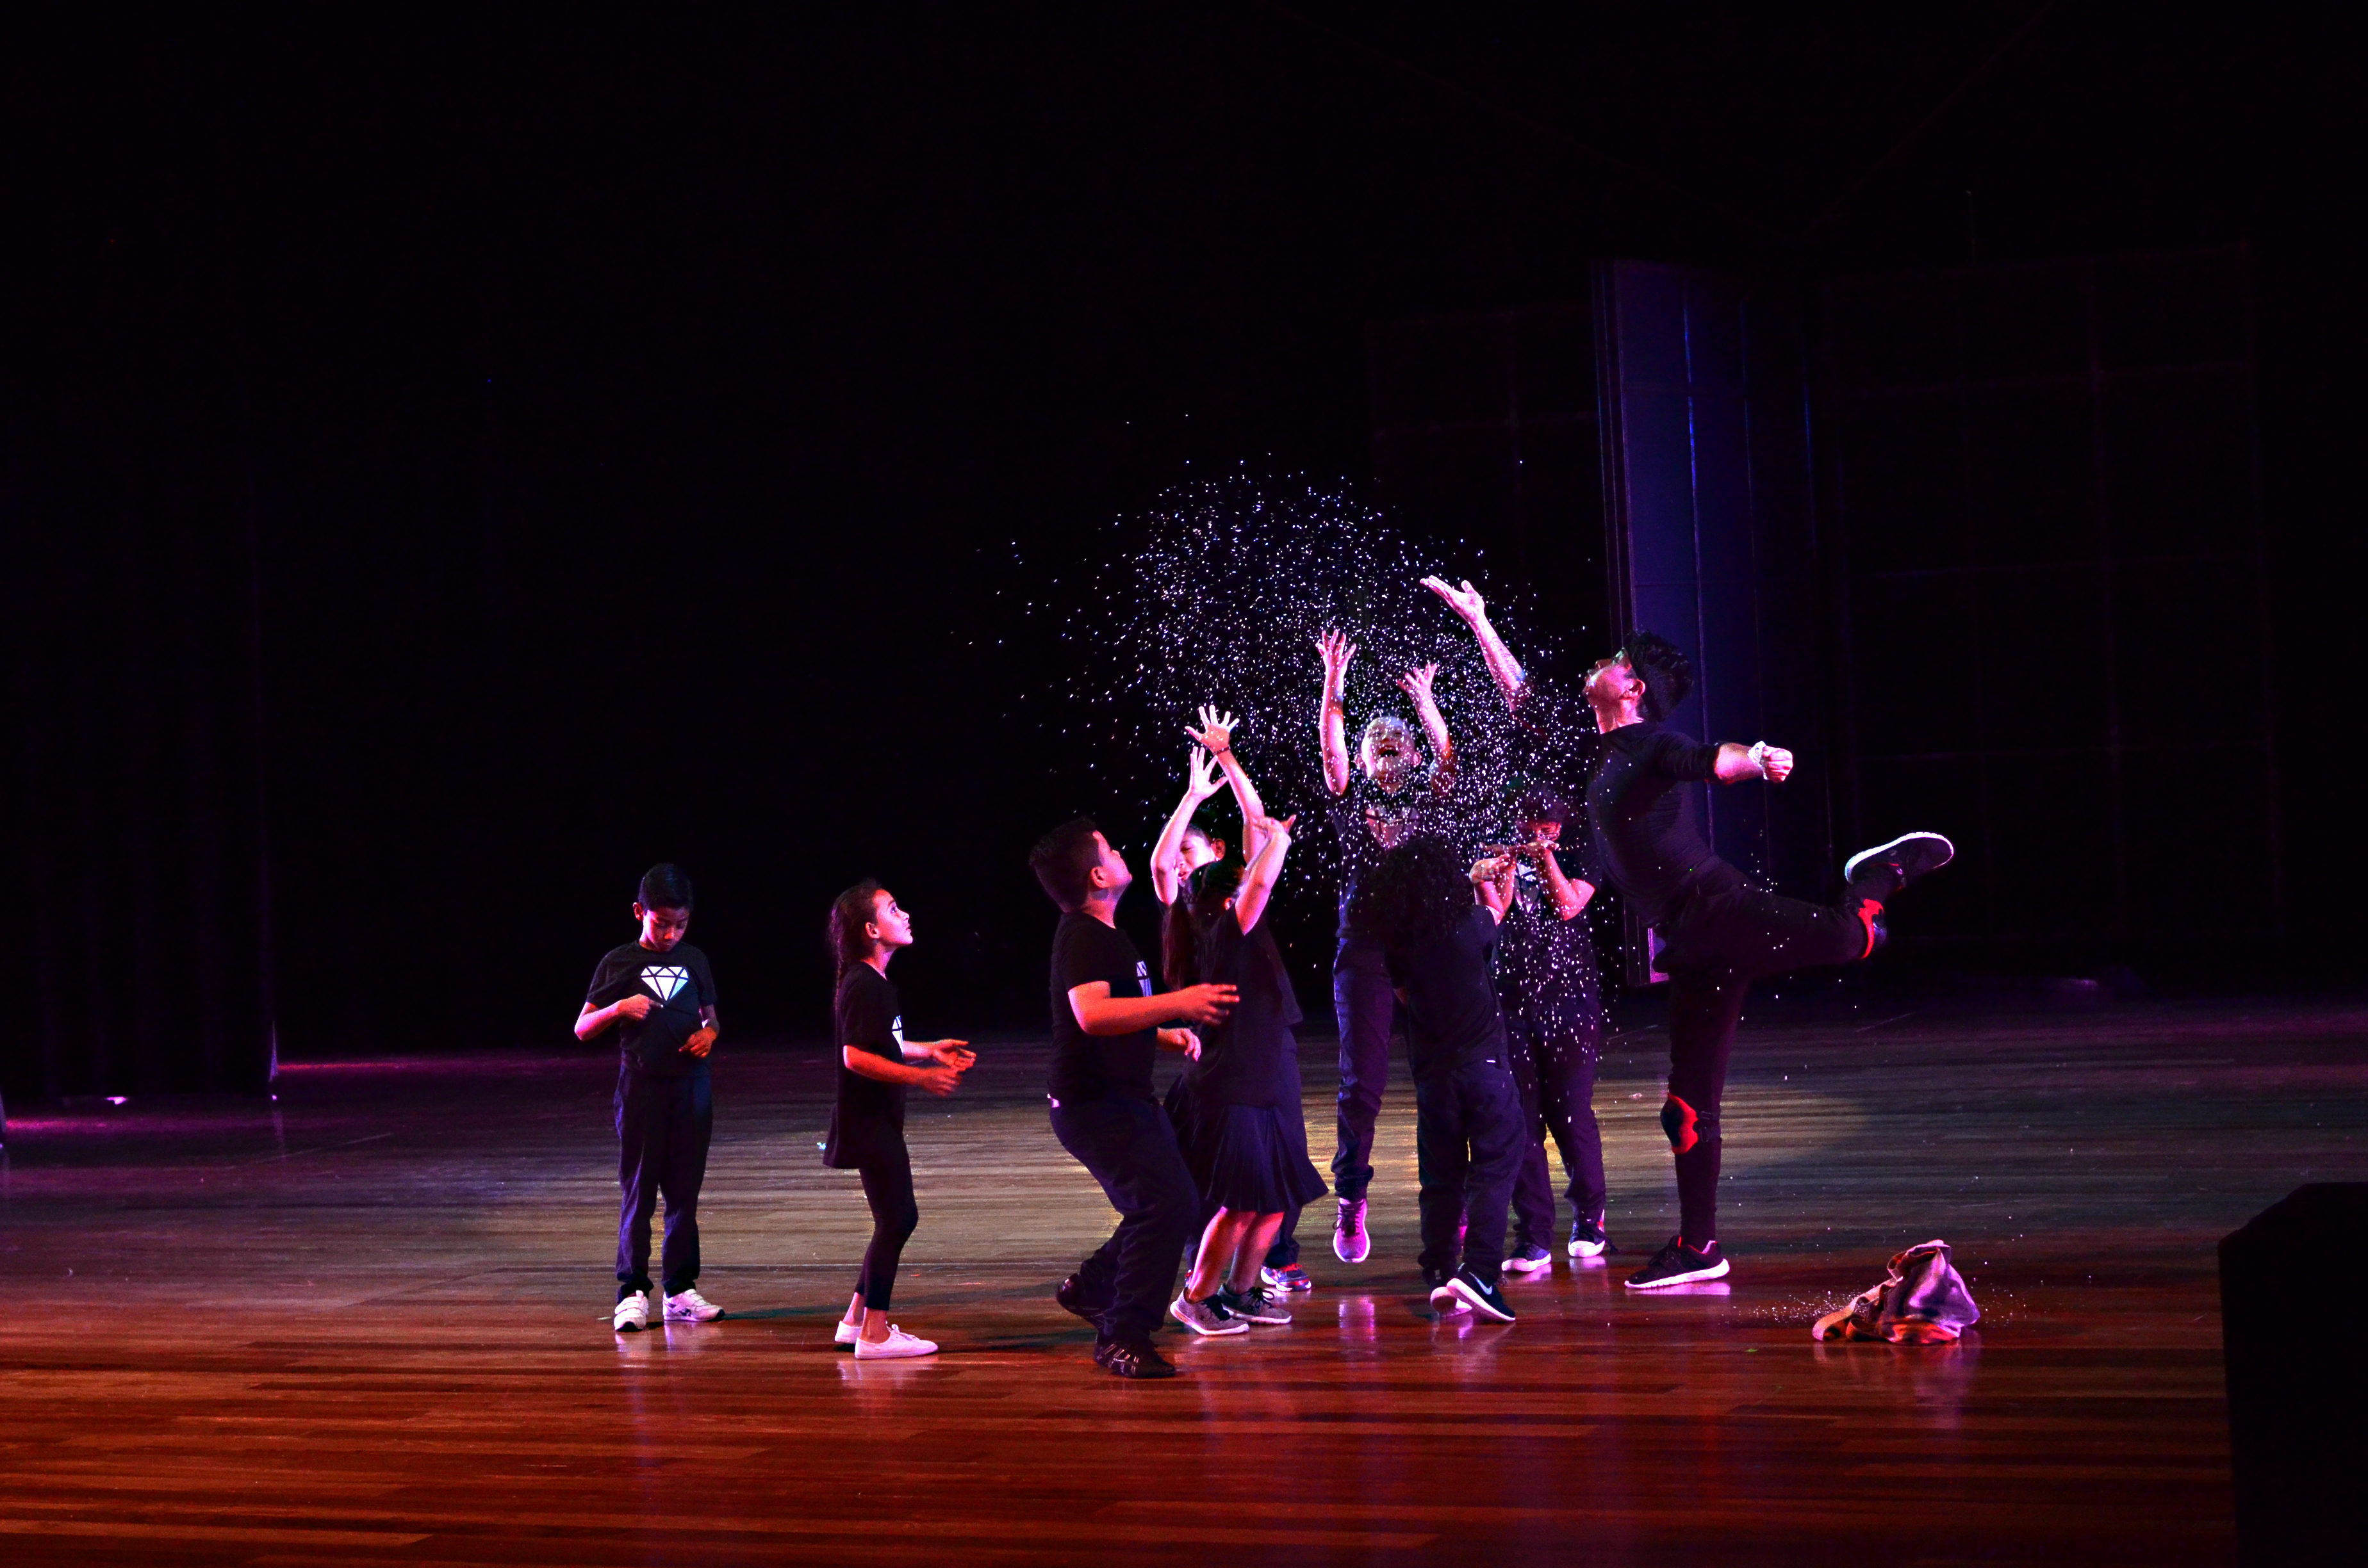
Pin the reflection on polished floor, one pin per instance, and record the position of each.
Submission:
(369, 1326)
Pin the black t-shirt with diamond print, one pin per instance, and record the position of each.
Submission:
(679, 982)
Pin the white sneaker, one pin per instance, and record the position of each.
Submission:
(897, 1346)
(686, 1305)
(1448, 1302)
(633, 1313)
(845, 1332)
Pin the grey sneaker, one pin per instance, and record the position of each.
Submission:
(1208, 1316)
(1253, 1305)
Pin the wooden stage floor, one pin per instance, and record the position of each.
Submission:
(369, 1326)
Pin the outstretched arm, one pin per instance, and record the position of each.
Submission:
(1264, 868)
(1758, 760)
(1416, 683)
(1167, 854)
(1503, 668)
(1100, 1013)
(1216, 733)
(1332, 709)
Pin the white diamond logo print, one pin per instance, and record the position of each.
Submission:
(665, 981)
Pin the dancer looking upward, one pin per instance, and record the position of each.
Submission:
(1438, 923)
(1552, 995)
(876, 1065)
(1105, 1030)
(1388, 797)
(1248, 1144)
(1720, 929)
(1184, 846)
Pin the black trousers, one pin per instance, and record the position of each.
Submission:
(1366, 1007)
(1129, 1147)
(1469, 1136)
(664, 1126)
(1717, 945)
(887, 1172)
(1555, 1068)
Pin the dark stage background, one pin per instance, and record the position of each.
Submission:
(453, 458)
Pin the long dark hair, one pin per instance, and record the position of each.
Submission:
(849, 913)
(1414, 892)
(1185, 926)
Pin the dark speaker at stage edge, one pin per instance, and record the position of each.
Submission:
(2297, 1389)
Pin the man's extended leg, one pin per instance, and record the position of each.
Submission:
(1440, 1163)
(1364, 1004)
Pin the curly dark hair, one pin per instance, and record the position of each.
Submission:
(1184, 930)
(1668, 674)
(1414, 893)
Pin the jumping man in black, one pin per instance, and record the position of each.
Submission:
(1720, 930)
(876, 1065)
(1387, 799)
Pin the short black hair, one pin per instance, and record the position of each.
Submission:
(1668, 674)
(1064, 861)
(1543, 802)
(666, 886)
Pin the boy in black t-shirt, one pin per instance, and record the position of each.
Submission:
(1551, 993)
(1105, 1034)
(1438, 925)
(661, 990)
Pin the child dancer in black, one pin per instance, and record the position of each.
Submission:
(866, 1126)
(1183, 849)
(1105, 1033)
(1438, 923)
(1245, 1098)
(1551, 997)
(662, 990)
(1720, 930)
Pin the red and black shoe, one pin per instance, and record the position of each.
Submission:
(1678, 1263)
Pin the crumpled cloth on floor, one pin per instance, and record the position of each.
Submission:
(1924, 1301)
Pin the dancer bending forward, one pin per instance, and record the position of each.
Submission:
(1105, 1033)
(876, 1065)
(1720, 930)
(1437, 923)
(1243, 1090)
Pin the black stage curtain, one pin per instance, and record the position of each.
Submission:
(133, 784)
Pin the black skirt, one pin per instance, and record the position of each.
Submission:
(1247, 1160)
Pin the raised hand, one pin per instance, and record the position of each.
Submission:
(1217, 731)
(1205, 780)
(1206, 1003)
(1337, 651)
(1265, 827)
(1416, 683)
(1465, 601)
(1775, 762)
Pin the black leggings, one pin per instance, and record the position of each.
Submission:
(1717, 947)
(887, 1173)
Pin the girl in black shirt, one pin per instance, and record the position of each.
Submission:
(1245, 1084)
(867, 1125)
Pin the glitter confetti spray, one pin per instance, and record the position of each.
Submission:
(1217, 594)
